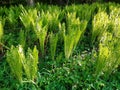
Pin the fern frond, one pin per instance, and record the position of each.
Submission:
(53, 44)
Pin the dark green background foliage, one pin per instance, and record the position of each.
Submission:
(58, 2)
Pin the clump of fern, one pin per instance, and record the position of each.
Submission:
(100, 24)
(104, 54)
(108, 57)
(23, 65)
(30, 64)
(73, 33)
(15, 58)
(28, 17)
(41, 29)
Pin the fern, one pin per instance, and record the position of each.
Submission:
(102, 59)
(15, 59)
(30, 64)
(35, 63)
(22, 38)
(11, 16)
(114, 21)
(108, 58)
(21, 64)
(53, 20)
(75, 30)
(68, 45)
(41, 32)
(53, 44)
(29, 17)
(87, 13)
(100, 25)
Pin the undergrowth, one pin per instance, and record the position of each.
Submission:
(66, 48)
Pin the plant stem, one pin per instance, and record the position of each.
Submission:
(4, 46)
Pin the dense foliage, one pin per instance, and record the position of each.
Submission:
(55, 2)
(53, 48)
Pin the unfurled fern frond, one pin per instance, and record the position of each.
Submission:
(68, 45)
(53, 44)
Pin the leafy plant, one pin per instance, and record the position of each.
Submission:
(30, 64)
(68, 45)
(18, 61)
(11, 15)
(74, 32)
(14, 58)
(87, 13)
(98, 26)
(41, 32)
(102, 59)
(53, 44)
(108, 57)
(114, 22)
(29, 17)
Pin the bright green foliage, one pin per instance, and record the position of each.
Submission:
(61, 32)
(68, 45)
(104, 53)
(74, 31)
(22, 38)
(30, 64)
(18, 61)
(1, 30)
(29, 17)
(11, 15)
(114, 21)
(100, 25)
(42, 36)
(53, 20)
(41, 32)
(108, 58)
(15, 58)
(85, 12)
(114, 59)
(114, 11)
(34, 67)
(53, 44)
